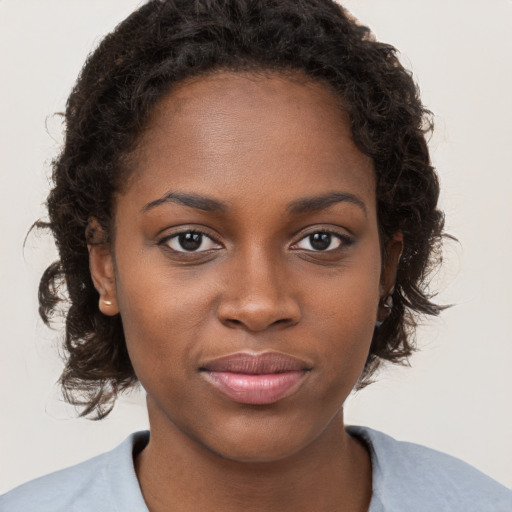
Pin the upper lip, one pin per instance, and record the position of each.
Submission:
(255, 364)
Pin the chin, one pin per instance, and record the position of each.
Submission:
(258, 441)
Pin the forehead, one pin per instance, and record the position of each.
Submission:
(241, 128)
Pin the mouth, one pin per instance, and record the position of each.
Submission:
(256, 379)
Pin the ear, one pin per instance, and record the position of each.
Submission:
(392, 254)
(101, 265)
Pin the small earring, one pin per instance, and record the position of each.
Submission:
(387, 305)
(107, 302)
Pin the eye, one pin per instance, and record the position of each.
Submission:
(322, 241)
(190, 241)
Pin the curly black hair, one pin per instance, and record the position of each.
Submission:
(166, 41)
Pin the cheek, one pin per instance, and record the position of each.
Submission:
(344, 315)
(162, 313)
(350, 294)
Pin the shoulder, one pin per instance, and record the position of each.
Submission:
(407, 476)
(95, 484)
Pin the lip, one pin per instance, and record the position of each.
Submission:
(255, 378)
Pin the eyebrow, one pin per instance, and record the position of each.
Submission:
(300, 206)
(318, 203)
(206, 204)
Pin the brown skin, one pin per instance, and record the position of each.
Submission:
(256, 144)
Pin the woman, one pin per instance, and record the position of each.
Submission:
(246, 213)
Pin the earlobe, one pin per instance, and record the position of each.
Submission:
(101, 266)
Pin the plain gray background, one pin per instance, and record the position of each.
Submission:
(457, 395)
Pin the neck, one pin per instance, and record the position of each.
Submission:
(176, 472)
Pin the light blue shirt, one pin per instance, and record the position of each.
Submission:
(406, 478)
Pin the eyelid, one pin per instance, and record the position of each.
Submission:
(165, 239)
(346, 240)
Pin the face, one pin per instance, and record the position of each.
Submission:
(246, 264)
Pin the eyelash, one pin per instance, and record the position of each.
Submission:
(166, 241)
(344, 241)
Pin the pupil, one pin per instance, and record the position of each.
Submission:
(320, 241)
(190, 241)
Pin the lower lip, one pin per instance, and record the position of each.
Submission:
(255, 389)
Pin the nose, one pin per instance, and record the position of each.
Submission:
(257, 296)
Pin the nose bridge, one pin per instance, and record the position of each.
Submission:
(259, 268)
(258, 293)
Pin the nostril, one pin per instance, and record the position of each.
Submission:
(282, 321)
(233, 322)
(259, 314)
(255, 325)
